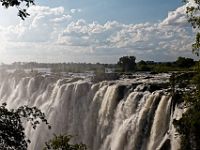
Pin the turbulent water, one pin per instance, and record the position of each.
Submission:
(127, 114)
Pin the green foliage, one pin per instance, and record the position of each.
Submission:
(22, 13)
(158, 67)
(194, 19)
(181, 64)
(162, 68)
(188, 125)
(61, 142)
(184, 62)
(127, 63)
(12, 135)
(143, 66)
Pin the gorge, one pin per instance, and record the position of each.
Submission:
(124, 114)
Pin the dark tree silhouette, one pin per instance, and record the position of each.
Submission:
(127, 63)
(143, 66)
(184, 62)
(62, 142)
(12, 136)
(21, 5)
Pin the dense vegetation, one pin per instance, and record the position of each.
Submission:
(186, 90)
(188, 125)
(124, 65)
(181, 64)
(127, 63)
(62, 142)
(12, 136)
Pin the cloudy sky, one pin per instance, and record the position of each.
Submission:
(96, 31)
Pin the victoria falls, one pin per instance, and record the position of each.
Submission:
(99, 75)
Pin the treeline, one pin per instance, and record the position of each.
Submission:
(180, 64)
(128, 64)
(59, 67)
(125, 64)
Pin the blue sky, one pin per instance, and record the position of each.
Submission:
(126, 11)
(96, 31)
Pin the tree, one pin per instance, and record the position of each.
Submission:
(184, 62)
(143, 66)
(192, 12)
(188, 125)
(61, 142)
(21, 5)
(12, 136)
(127, 63)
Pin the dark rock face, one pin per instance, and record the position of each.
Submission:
(166, 145)
(105, 76)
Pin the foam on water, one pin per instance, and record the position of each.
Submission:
(110, 115)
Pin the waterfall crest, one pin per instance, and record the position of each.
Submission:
(110, 115)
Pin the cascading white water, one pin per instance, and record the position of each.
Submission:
(110, 115)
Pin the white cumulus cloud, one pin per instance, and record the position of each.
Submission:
(75, 10)
(52, 34)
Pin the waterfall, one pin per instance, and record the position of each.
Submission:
(109, 115)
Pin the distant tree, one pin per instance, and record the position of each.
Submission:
(150, 62)
(12, 136)
(61, 142)
(143, 66)
(21, 5)
(142, 62)
(184, 62)
(127, 63)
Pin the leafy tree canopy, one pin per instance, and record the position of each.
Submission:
(61, 142)
(12, 136)
(184, 62)
(193, 14)
(188, 125)
(127, 63)
(143, 66)
(21, 5)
